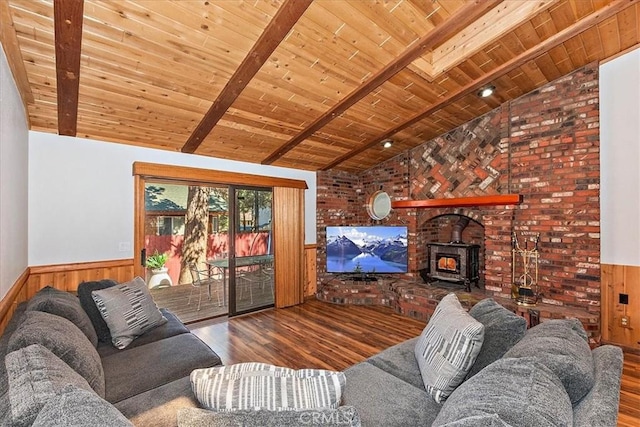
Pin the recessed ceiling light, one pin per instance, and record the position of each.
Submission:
(387, 143)
(486, 91)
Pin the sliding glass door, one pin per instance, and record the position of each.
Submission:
(253, 263)
(218, 245)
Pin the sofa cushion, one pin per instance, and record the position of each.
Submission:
(255, 386)
(159, 407)
(65, 340)
(502, 330)
(384, 400)
(488, 420)
(143, 368)
(172, 327)
(448, 347)
(346, 416)
(129, 311)
(76, 407)
(89, 306)
(522, 392)
(64, 304)
(561, 345)
(600, 406)
(16, 319)
(400, 361)
(35, 376)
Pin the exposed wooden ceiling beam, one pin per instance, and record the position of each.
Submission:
(587, 22)
(464, 16)
(67, 16)
(11, 47)
(288, 14)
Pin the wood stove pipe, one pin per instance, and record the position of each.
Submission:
(456, 232)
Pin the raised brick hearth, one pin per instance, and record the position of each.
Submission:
(418, 301)
(543, 146)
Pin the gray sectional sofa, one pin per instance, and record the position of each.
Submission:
(544, 376)
(147, 382)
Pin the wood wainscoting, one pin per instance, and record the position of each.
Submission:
(65, 277)
(311, 275)
(620, 323)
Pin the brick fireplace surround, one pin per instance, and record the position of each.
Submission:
(544, 146)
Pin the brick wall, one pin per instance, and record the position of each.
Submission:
(340, 201)
(544, 146)
(555, 162)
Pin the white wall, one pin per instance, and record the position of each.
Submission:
(81, 195)
(13, 180)
(620, 160)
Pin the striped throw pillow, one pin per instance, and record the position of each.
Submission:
(256, 386)
(448, 347)
(129, 311)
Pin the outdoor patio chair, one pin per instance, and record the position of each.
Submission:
(266, 273)
(246, 280)
(199, 279)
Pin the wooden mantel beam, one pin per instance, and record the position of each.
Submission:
(494, 200)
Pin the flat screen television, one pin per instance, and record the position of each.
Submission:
(367, 249)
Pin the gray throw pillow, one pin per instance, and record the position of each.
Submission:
(261, 386)
(65, 340)
(561, 345)
(448, 347)
(76, 407)
(89, 306)
(521, 392)
(345, 416)
(129, 311)
(64, 304)
(35, 376)
(502, 330)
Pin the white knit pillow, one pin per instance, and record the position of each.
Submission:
(447, 347)
(256, 386)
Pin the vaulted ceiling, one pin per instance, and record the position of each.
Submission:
(307, 84)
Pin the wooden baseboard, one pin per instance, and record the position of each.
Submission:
(16, 295)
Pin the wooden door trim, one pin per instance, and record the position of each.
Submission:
(210, 176)
(143, 171)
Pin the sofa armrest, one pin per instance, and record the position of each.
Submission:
(600, 406)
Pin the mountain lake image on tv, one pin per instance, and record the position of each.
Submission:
(367, 249)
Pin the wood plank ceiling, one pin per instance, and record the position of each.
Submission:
(308, 84)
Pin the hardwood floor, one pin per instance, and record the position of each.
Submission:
(629, 413)
(321, 335)
(314, 335)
